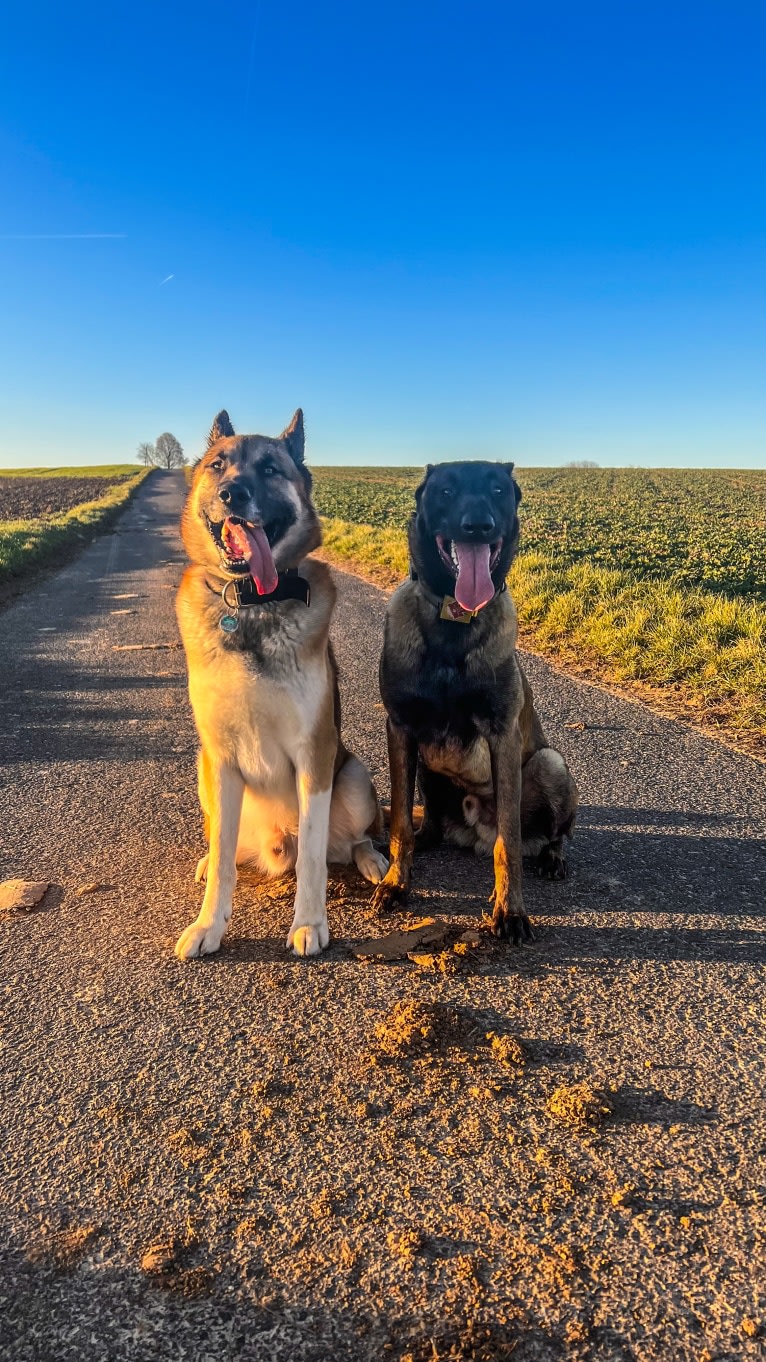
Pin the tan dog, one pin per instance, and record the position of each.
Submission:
(276, 785)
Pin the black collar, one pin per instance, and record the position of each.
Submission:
(239, 592)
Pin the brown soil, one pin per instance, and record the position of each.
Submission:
(29, 498)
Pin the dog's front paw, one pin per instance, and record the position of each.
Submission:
(369, 862)
(390, 892)
(199, 940)
(308, 938)
(510, 924)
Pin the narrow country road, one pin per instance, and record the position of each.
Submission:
(225, 1159)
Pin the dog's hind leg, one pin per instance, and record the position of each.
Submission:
(548, 810)
(224, 790)
(354, 817)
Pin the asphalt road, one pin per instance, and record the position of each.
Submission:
(314, 1196)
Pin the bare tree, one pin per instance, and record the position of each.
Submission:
(582, 463)
(168, 452)
(146, 453)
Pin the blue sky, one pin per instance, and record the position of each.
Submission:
(525, 230)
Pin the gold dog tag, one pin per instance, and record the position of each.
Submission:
(452, 611)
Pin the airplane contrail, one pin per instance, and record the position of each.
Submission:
(167, 281)
(63, 236)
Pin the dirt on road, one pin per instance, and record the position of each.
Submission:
(466, 1151)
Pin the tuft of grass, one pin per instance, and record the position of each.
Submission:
(30, 544)
(380, 553)
(702, 653)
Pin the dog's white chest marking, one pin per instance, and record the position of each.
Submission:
(257, 723)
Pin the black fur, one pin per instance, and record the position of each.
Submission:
(444, 496)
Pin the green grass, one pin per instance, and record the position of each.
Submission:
(602, 599)
(696, 527)
(101, 470)
(30, 544)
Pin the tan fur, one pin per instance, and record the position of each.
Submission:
(276, 785)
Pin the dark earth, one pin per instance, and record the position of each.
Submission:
(28, 498)
(554, 1152)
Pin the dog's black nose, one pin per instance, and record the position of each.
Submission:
(477, 523)
(236, 495)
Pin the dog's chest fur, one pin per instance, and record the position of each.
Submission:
(257, 694)
(450, 686)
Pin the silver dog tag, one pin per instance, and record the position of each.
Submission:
(230, 623)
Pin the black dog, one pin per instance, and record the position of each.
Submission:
(460, 709)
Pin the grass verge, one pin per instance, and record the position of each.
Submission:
(28, 545)
(682, 650)
(99, 470)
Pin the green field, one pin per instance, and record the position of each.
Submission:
(649, 578)
(697, 528)
(100, 470)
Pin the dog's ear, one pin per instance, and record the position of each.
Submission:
(419, 490)
(294, 437)
(220, 429)
(516, 489)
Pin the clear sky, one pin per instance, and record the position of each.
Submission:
(529, 230)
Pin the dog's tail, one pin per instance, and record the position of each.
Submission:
(418, 814)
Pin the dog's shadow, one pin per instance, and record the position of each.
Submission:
(669, 874)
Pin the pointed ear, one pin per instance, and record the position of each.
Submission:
(516, 489)
(220, 429)
(419, 490)
(294, 437)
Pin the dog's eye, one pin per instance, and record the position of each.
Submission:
(216, 465)
(269, 470)
(446, 491)
(498, 491)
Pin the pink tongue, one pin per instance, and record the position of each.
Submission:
(254, 546)
(474, 586)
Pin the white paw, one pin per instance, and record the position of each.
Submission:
(370, 863)
(308, 938)
(197, 940)
(200, 873)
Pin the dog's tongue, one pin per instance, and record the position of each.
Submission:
(254, 546)
(474, 586)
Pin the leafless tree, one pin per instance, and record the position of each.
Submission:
(146, 453)
(582, 463)
(168, 452)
